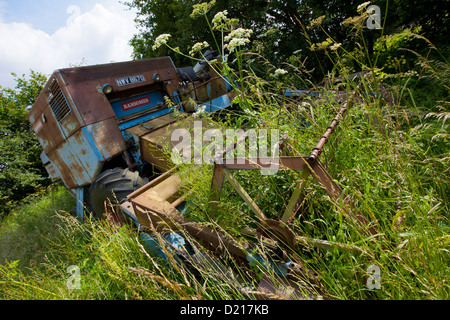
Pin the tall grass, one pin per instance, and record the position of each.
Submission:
(395, 174)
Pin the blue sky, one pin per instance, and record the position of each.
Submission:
(44, 35)
(46, 15)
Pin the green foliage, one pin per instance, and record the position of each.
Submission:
(21, 170)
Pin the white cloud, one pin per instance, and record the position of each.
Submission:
(99, 35)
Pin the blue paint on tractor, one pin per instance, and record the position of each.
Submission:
(299, 93)
(170, 242)
(134, 122)
(216, 104)
(185, 207)
(80, 198)
(176, 98)
(136, 104)
(132, 142)
(92, 143)
(87, 157)
(279, 267)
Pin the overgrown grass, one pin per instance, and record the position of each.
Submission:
(40, 242)
(25, 234)
(393, 168)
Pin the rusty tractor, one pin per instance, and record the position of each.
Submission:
(101, 127)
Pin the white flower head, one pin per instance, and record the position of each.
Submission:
(237, 38)
(279, 72)
(236, 42)
(335, 46)
(219, 19)
(161, 40)
(362, 6)
(199, 111)
(239, 33)
(198, 47)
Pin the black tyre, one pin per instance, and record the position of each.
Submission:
(113, 184)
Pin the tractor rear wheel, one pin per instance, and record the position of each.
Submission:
(113, 184)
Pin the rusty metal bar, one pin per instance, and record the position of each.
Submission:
(318, 148)
(324, 178)
(296, 195)
(323, 140)
(217, 181)
(215, 239)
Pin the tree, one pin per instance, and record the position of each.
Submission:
(432, 15)
(174, 17)
(21, 170)
(279, 27)
(164, 16)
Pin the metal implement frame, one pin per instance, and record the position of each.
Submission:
(310, 165)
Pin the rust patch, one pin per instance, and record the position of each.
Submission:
(108, 138)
